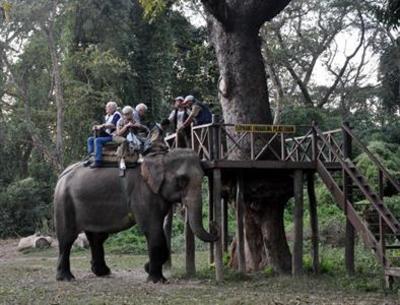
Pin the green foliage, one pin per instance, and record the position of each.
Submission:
(389, 13)
(107, 50)
(129, 241)
(388, 154)
(392, 203)
(326, 119)
(24, 207)
(389, 75)
(153, 8)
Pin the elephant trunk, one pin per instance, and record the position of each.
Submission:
(193, 202)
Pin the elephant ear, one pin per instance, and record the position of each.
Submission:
(152, 171)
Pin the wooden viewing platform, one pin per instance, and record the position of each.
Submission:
(236, 151)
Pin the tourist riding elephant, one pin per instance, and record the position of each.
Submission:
(98, 202)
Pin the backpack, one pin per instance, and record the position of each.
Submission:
(204, 116)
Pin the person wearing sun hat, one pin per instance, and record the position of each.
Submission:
(200, 113)
(177, 117)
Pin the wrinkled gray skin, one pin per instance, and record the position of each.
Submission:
(98, 202)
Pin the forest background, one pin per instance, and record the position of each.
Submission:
(61, 61)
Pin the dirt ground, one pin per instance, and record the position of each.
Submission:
(29, 278)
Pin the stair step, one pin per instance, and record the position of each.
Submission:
(353, 186)
(391, 235)
(392, 247)
(393, 271)
(393, 259)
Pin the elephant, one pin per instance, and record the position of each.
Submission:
(99, 202)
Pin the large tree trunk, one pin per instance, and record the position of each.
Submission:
(265, 197)
(243, 85)
(234, 31)
(58, 87)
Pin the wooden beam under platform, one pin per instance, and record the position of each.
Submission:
(259, 164)
(266, 164)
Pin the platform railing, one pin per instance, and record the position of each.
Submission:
(311, 147)
(221, 141)
(217, 141)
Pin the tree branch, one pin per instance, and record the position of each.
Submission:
(303, 88)
(344, 67)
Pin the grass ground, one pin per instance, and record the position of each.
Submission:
(29, 278)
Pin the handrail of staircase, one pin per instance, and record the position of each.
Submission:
(340, 159)
(372, 158)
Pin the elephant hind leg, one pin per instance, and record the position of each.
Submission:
(63, 266)
(98, 263)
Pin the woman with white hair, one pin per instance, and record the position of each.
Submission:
(139, 112)
(126, 135)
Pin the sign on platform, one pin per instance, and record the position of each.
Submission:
(265, 128)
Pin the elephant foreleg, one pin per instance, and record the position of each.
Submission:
(168, 233)
(98, 263)
(158, 253)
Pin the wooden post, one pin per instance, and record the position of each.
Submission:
(283, 146)
(210, 216)
(219, 275)
(239, 226)
(216, 194)
(210, 141)
(215, 137)
(225, 233)
(297, 258)
(192, 132)
(313, 222)
(168, 233)
(314, 142)
(348, 197)
(252, 148)
(190, 247)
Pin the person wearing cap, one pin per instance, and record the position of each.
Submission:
(200, 113)
(177, 117)
(104, 133)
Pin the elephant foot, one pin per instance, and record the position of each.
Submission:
(65, 276)
(147, 267)
(157, 279)
(101, 270)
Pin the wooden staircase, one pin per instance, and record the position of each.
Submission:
(279, 148)
(382, 235)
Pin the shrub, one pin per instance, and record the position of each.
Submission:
(24, 207)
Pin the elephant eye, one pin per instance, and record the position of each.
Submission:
(182, 182)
